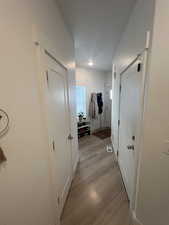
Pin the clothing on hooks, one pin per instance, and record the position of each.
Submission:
(93, 108)
(100, 103)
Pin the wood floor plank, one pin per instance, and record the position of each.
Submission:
(97, 195)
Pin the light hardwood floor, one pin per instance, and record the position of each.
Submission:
(97, 195)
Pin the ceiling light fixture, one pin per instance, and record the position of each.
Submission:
(90, 63)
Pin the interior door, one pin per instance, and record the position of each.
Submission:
(59, 129)
(73, 119)
(130, 99)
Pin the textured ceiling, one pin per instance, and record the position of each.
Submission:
(96, 26)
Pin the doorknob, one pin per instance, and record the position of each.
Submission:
(70, 137)
(130, 147)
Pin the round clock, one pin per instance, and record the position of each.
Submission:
(4, 122)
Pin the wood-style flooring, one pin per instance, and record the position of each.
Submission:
(97, 195)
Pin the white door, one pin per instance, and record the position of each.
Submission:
(73, 119)
(130, 99)
(59, 129)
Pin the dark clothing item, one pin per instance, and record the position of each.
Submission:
(100, 103)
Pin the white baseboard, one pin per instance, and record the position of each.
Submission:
(67, 186)
(75, 165)
(114, 149)
(123, 177)
(112, 140)
(64, 194)
(135, 219)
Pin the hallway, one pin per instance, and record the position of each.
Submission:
(97, 195)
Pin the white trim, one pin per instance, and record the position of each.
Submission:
(41, 39)
(124, 179)
(140, 122)
(144, 55)
(115, 152)
(64, 194)
(75, 165)
(135, 219)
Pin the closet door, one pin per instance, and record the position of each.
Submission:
(59, 129)
(130, 99)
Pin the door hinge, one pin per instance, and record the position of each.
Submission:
(53, 145)
(118, 123)
(139, 67)
(47, 76)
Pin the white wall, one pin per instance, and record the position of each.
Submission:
(152, 205)
(25, 190)
(107, 100)
(131, 43)
(153, 197)
(94, 81)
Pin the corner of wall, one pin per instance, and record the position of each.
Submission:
(135, 219)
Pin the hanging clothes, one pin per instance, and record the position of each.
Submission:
(100, 103)
(93, 108)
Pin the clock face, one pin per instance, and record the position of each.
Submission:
(4, 121)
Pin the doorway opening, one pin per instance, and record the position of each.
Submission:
(94, 102)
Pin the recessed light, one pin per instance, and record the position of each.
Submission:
(90, 63)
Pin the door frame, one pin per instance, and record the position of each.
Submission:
(143, 57)
(42, 48)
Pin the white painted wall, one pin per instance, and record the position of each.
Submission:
(153, 197)
(131, 43)
(94, 81)
(107, 100)
(152, 205)
(25, 190)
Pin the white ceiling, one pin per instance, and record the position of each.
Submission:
(96, 26)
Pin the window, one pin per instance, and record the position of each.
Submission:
(81, 99)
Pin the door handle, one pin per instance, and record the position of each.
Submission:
(70, 137)
(130, 147)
